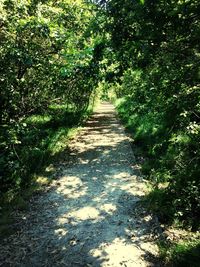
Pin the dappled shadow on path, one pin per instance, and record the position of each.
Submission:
(91, 215)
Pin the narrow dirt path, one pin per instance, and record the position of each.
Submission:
(91, 215)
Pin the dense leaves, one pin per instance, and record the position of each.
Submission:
(156, 44)
(49, 66)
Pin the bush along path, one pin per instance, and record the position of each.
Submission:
(91, 215)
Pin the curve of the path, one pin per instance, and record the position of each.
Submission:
(91, 215)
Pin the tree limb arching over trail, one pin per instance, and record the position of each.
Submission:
(91, 214)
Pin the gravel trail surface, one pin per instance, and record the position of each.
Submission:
(91, 215)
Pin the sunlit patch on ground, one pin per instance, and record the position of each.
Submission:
(85, 214)
(118, 252)
(108, 208)
(61, 232)
(72, 187)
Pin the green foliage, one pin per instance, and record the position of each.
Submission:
(49, 72)
(157, 47)
(186, 254)
(41, 137)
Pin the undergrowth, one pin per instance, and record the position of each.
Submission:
(181, 254)
(41, 140)
(171, 197)
(170, 158)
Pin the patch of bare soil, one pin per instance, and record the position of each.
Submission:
(91, 215)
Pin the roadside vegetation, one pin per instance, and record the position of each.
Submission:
(49, 75)
(156, 78)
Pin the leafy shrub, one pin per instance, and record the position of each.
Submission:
(49, 66)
